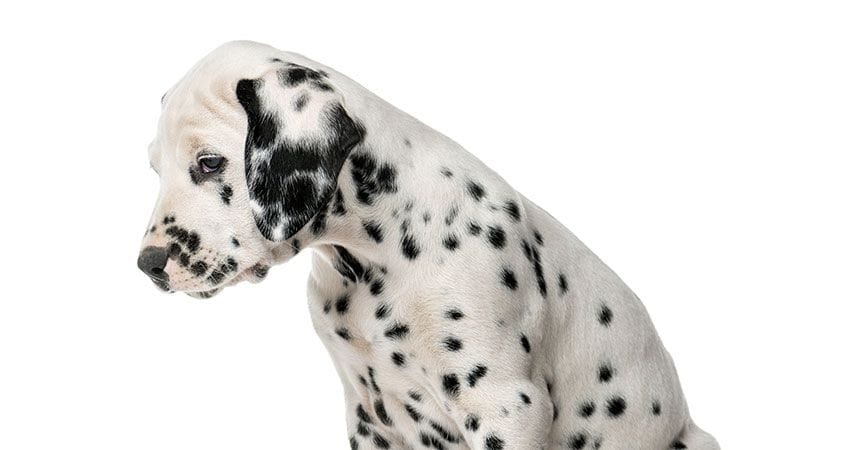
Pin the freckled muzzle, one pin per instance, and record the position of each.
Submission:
(181, 259)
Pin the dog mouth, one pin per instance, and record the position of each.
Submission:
(253, 274)
(202, 271)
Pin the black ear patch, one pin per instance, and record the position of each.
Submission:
(290, 180)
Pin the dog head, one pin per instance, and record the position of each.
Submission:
(248, 150)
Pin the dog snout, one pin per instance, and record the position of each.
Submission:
(152, 261)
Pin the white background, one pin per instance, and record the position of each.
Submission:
(698, 149)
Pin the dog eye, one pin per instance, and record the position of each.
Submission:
(211, 163)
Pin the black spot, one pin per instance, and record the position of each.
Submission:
(216, 277)
(371, 178)
(525, 344)
(415, 396)
(616, 406)
(327, 306)
(446, 172)
(174, 250)
(586, 409)
(451, 385)
(381, 413)
(474, 229)
(380, 441)
(348, 265)
(452, 344)
(605, 315)
(409, 247)
(555, 412)
(525, 398)
(323, 86)
(343, 332)
(373, 231)
(229, 266)
(497, 237)
(562, 283)
(301, 101)
(476, 191)
(509, 279)
(196, 176)
(226, 193)
(293, 77)
(471, 422)
(372, 374)
(362, 415)
(538, 238)
(318, 225)
(655, 408)
(533, 255)
(678, 445)
(235, 242)
(444, 433)
(191, 240)
(397, 331)
(451, 215)
(477, 373)
(451, 242)
(295, 74)
(513, 210)
(493, 442)
(382, 311)
(260, 271)
(198, 268)
(454, 314)
(577, 441)
(398, 359)
(428, 440)
(415, 415)
(363, 430)
(342, 304)
(377, 287)
(605, 373)
(353, 444)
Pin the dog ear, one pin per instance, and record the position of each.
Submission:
(292, 158)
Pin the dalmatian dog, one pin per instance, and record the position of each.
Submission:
(459, 314)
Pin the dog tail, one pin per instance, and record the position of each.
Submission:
(694, 438)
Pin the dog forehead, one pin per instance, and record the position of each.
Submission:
(202, 109)
(218, 73)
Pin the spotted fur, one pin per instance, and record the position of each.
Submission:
(459, 314)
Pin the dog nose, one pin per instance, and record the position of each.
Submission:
(152, 262)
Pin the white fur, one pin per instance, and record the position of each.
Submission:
(568, 341)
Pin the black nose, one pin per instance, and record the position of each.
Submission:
(152, 262)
